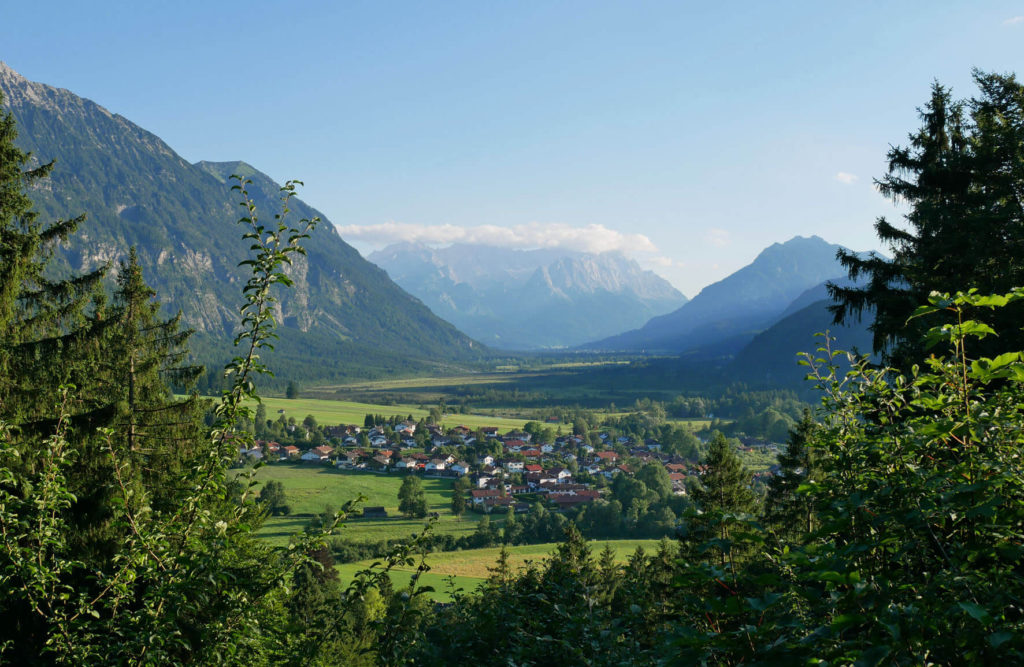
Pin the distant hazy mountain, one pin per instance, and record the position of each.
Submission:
(343, 313)
(771, 357)
(527, 299)
(726, 315)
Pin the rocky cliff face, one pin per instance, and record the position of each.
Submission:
(181, 217)
(608, 272)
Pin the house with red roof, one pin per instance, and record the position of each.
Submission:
(480, 495)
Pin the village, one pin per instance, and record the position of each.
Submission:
(506, 472)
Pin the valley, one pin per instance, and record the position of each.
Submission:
(502, 467)
(576, 391)
(471, 417)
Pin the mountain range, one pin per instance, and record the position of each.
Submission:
(726, 315)
(343, 316)
(529, 299)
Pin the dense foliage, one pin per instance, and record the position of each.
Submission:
(122, 539)
(900, 544)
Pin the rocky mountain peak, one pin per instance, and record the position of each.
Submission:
(521, 299)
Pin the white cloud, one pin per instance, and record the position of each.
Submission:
(717, 237)
(590, 238)
(662, 261)
(846, 178)
(1014, 20)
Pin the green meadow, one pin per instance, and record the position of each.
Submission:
(467, 569)
(309, 488)
(331, 412)
(277, 530)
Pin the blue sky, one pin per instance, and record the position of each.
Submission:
(690, 136)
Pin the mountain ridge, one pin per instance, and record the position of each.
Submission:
(744, 302)
(182, 218)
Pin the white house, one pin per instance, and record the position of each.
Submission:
(512, 466)
(560, 474)
(406, 464)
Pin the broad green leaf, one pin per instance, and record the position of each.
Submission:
(976, 328)
(977, 612)
(997, 639)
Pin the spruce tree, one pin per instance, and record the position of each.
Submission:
(43, 334)
(963, 179)
(724, 494)
(785, 510)
(136, 358)
(725, 487)
(148, 357)
(49, 339)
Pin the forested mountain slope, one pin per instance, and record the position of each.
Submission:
(344, 314)
(771, 359)
(737, 307)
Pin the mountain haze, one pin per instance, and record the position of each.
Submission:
(525, 299)
(725, 315)
(770, 359)
(137, 191)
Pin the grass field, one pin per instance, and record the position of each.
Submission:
(500, 377)
(349, 412)
(278, 529)
(757, 460)
(310, 488)
(469, 567)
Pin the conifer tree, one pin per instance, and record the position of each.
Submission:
(43, 335)
(149, 356)
(725, 487)
(963, 179)
(787, 511)
(723, 495)
(48, 338)
(611, 573)
(135, 358)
